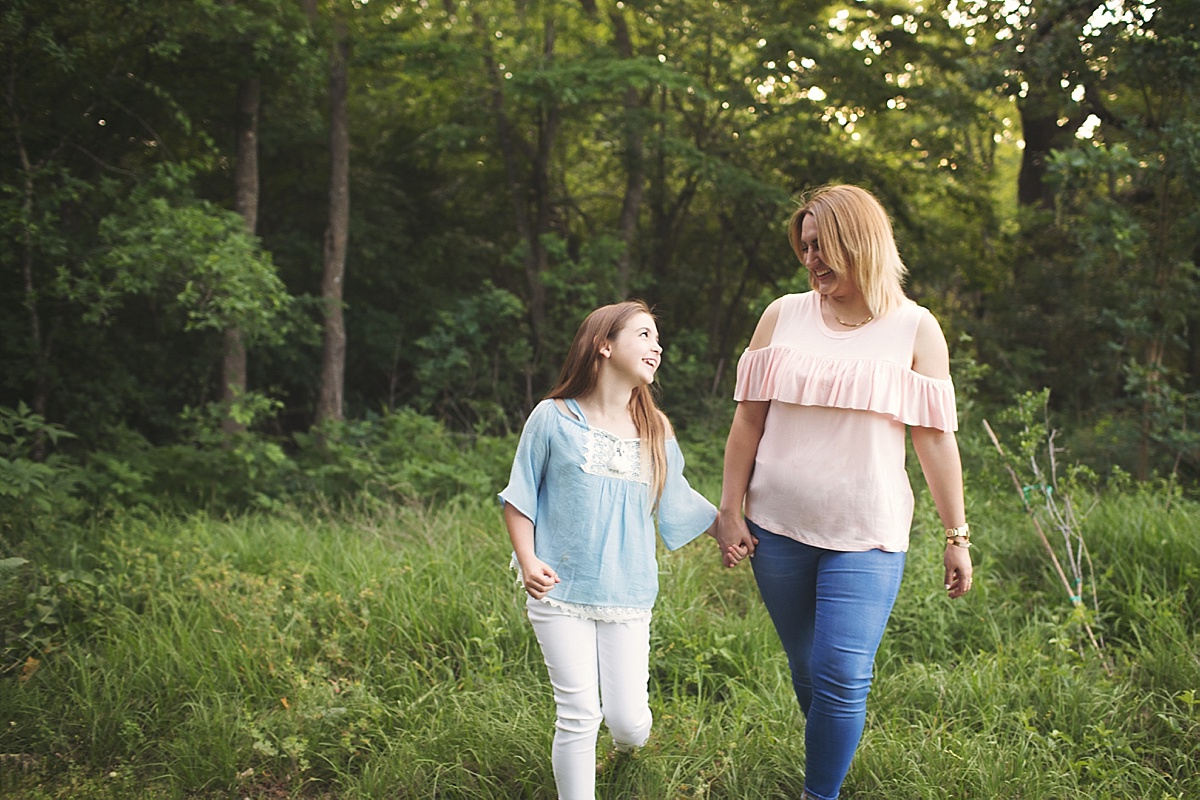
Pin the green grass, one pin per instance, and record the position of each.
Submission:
(385, 654)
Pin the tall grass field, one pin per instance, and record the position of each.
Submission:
(384, 653)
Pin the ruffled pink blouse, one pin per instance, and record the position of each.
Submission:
(830, 468)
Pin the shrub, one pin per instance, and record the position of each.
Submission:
(401, 456)
(36, 490)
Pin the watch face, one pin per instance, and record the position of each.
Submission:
(961, 532)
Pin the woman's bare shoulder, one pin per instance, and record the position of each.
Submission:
(765, 330)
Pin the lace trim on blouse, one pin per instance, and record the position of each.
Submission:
(600, 613)
(611, 457)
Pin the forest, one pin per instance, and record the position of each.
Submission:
(261, 216)
(282, 279)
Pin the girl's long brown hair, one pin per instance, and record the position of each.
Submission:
(581, 370)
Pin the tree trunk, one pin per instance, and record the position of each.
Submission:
(38, 346)
(1193, 337)
(1041, 134)
(635, 161)
(1046, 101)
(246, 193)
(531, 200)
(333, 355)
(547, 133)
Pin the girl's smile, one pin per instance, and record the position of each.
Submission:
(635, 350)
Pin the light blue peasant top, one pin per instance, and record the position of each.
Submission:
(588, 496)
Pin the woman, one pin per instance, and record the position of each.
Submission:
(596, 463)
(815, 486)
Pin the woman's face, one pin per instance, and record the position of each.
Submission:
(826, 281)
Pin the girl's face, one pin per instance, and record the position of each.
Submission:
(635, 350)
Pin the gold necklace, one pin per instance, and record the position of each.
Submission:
(853, 324)
(843, 322)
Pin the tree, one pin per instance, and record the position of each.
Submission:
(533, 160)
(186, 255)
(46, 50)
(1051, 57)
(333, 355)
(1127, 199)
(125, 101)
(246, 180)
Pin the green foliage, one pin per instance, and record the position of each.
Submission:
(1167, 417)
(1051, 494)
(212, 469)
(207, 468)
(472, 365)
(293, 652)
(194, 255)
(401, 456)
(288, 653)
(385, 458)
(494, 155)
(43, 609)
(37, 491)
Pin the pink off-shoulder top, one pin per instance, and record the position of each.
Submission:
(830, 466)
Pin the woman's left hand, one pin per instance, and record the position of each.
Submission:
(958, 570)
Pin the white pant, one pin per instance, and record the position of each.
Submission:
(588, 660)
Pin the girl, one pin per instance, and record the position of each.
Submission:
(596, 462)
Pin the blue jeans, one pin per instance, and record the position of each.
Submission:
(830, 609)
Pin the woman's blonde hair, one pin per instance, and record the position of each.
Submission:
(856, 240)
(581, 371)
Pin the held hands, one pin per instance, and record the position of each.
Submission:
(539, 578)
(734, 539)
(958, 570)
(733, 555)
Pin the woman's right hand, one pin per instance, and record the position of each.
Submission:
(539, 578)
(734, 538)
